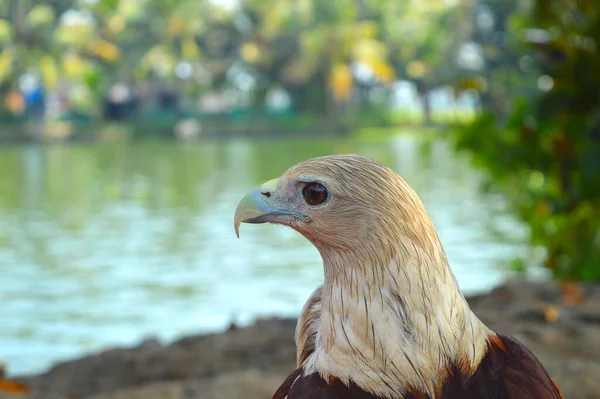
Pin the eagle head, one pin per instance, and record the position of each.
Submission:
(342, 203)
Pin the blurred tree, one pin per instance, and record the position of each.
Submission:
(497, 27)
(420, 50)
(50, 42)
(547, 156)
(27, 39)
(312, 49)
(328, 56)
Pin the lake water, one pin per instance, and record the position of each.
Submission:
(103, 245)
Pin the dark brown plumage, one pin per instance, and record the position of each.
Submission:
(508, 371)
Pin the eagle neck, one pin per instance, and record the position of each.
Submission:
(394, 321)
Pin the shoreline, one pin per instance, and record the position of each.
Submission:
(193, 129)
(251, 362)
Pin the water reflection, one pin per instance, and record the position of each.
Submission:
(106, 244)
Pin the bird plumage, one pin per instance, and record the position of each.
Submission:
(507, 371)
(389, 321)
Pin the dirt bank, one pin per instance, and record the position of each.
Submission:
(250, 362)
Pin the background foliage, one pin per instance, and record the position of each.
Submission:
(546, 154)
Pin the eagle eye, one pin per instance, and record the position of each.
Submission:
(315, 193)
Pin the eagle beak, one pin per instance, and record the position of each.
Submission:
(257, 207)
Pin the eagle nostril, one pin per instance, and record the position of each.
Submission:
(266, 194)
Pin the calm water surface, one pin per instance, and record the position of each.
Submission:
(104, 245)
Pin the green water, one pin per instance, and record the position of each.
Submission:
(107, 244)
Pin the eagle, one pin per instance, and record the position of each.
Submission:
(389, 320)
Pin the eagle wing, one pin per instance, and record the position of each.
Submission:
(508, 371)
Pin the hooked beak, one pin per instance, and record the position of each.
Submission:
(256, 207)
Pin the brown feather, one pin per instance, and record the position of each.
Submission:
(284, 389)
(508, 371)
(314, 387)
